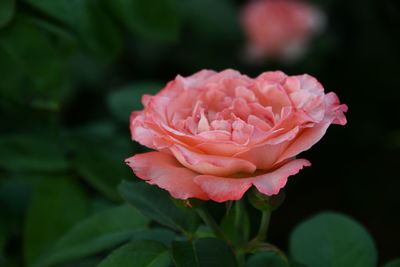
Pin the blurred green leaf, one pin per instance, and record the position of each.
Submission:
(96, 233)
(124, 100)
(203, 232)
(62, 38)
(14, 195)
(7, 9)
(270, 259)
(100, 130)
(100, 160)
(154, 19)
(32, 78)
(184, 254)
(31, 152)
(332, 239)
(393, 263)
(236, 224)
(57, 204)
(138, 254)
(89, 20)
(212, 19)
(161, 235)
(86, 262)
(2, 239)
(204, 252)
(156, 203)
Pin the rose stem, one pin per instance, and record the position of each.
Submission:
(264, 223)
(210, 222)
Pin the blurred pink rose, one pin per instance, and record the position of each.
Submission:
(279, 28)
(217, 134)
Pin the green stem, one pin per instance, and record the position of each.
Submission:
(210, 222)
(270, 247)
(264, 223)
(238, 214)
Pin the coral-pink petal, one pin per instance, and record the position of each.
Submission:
(305, 140)
(276, 76)
(143, 133)
(220, 148)
(211, 164)
(221, 189)
(282, 136)
(263, 156)
(336, 109)
(165, 171)
(216, 135)
(270, 183)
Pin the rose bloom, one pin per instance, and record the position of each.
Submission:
(279, 28)
(218, 133)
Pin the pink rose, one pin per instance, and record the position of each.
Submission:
(279, 28)
(219, 133)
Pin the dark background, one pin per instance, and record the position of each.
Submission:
(70, 72)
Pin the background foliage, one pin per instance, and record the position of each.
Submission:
(71, 72)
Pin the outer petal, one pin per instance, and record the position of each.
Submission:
(270, 183)
(163, 170)
(304, 141)
(223, 189)
(142, 132)
(263, 156)
(211, 164)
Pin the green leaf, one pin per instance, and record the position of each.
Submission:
(96, 233)
(204, 252)
(236, 224)
(184, 254)
(212, 19)
(153, 19)
(57, 204)
(15, 192)
(7, 10)
(101, 162)
(270, 259)
(393, 263)
(138, 254)
(124, 100)
(32, 79)
(2, 239)
(86, 262)
(161, 235)
(204, 231)
(158, 205)
(332, 239)
(89, 20)
(31, 152)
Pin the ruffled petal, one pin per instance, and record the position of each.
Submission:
(211, 164)
(272, 182)
(222, 189)
(304, 141)
(145, 133)
(263, 156)
(165, 171)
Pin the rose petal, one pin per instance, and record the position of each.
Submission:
(263, 156)
(223, 189)
(211, 164)
(144, 133)
(305, 140)
(165, 171)
(272, 182)
(227, 148)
